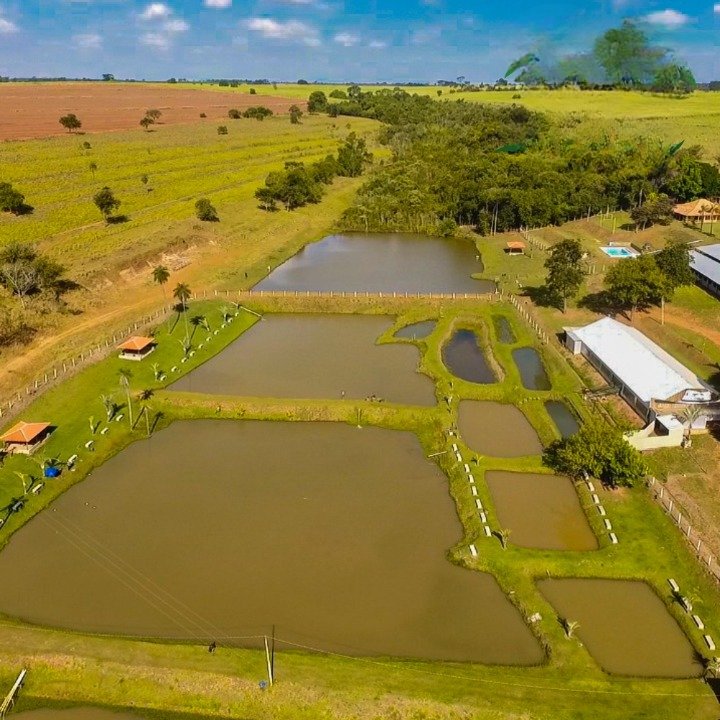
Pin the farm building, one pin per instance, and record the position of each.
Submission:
(136, 348)
(650, 380)
(26, 437)
(705, 263)
(698, 210)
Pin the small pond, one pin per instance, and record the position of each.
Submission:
(464, 358)
(77, 713)
(496, 429)
(541, 511)
(532, 370)
(217, 528)
(315, 356)
(565, 421)
(416, 331)
(390, 262)
(503, 330)
(624, 626)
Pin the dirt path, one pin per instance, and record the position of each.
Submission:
(684, 318)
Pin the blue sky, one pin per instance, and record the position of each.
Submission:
(334, 40)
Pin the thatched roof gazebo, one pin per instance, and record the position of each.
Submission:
(702, 210)
(515, 247)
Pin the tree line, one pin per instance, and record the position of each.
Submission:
(500, 168)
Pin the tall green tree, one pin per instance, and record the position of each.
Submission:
(106, 202)
(124, 377)
(627, 55)
(317, 102)
(182, 294)
(656, 210)
(599, 450)
(295, 114)
(352, 156)
(635, 284)
(70, 122)
(674, 79)
(566, 270)
(205, 211)
(160, 276)
(11, 200)
(674, 262)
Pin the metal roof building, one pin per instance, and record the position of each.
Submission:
(641, 369)
(705, 263)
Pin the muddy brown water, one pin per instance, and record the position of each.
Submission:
(532, 370)
(78, 713)
(315, 356)
(624, 625)
(218, 529)
(496, 429)
(566, 423)
(416, 331)
(541, 511)
(503, 330)
(464, 358)
(383, 262)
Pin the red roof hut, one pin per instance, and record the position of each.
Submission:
(26, 437)
(136, 348)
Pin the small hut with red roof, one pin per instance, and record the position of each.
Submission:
(136, 348)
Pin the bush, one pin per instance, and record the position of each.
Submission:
(234, 114)
(259, 113)
(205, 211)
(222, 130)
(203, 115)
(253, 91)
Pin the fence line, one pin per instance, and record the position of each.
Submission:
(254, 294)
(672, 507)
(72, 365)
(525, 314)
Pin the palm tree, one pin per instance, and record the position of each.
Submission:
(503, 535)
(160, 275)
(198, 321)
(690, 414)
(23, 479)
(182, 293)
(569, 626)
(145, 396)
(125, 375)
(109, 403)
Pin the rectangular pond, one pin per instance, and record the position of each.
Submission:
(541, 511)
(497, 429)
(532, 370)
(624, 626)
(215, 529)
(315, 356)
(565, 421)
(390, 262)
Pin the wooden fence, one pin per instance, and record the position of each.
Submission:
(671, 506)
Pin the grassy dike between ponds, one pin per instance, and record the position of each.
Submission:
(168, 680)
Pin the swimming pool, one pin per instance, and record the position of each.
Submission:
(619, 252)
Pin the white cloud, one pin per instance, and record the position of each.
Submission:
(155, 40)
(669, 19)
(88, 41)
(716, 9)
(156, 11)
(290, 30)
(175, 25)
(346, 39)
(7, 27)
(218, 3)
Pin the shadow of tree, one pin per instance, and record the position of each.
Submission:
(599, 302)
(117, 219)
(543, 297)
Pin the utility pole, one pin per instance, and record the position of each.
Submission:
(268, 662)
(272, 653)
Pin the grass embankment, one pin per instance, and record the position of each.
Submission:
(161, 679)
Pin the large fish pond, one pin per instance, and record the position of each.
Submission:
(215, 529)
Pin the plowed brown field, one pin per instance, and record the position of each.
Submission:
(32, 110)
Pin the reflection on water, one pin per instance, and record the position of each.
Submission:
(392, 262)
(532, 370)
(565, 421)
(215, 529)
(464, 358)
